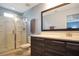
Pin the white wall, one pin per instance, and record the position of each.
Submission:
(35, 13)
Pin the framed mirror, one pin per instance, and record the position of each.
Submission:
(64, 17)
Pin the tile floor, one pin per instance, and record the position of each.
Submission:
(17, 52)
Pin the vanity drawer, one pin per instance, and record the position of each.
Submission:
(55, 42)
(37, 40)
(57, 48)
(54, 48)
(36, 50)
(37, 46)
(53, 52)
(72, 49)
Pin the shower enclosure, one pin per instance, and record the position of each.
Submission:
(12, 33)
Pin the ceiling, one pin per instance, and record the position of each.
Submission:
(19, 7)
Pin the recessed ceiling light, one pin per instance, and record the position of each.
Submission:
(8, 15)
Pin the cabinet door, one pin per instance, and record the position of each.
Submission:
(37, 46)
(54, 48)
(72, 49)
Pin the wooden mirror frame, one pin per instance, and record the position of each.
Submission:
(55, 29)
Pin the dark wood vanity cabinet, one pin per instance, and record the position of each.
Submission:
(37, 46)
(72, 49)
(53, 47)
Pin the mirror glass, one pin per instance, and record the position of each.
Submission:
(64, 17)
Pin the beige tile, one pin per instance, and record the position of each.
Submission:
(17, 52)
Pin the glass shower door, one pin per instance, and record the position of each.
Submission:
(10, 33)
(21, 36)
(7, 41)
(8, 29)
(2, 35)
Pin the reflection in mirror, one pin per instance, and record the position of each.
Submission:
(64, 17)
(73, 21)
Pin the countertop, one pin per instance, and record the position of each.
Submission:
(59, 37)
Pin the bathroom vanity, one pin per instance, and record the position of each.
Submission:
(64, 17)
(52, 45)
